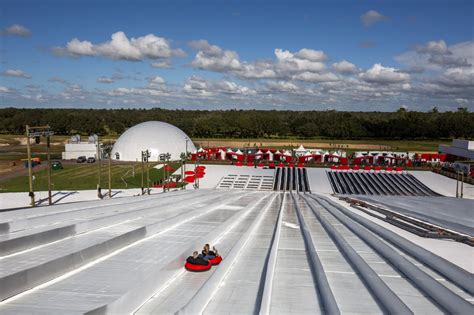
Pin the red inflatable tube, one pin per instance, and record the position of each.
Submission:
(216, 260)
(198, 268)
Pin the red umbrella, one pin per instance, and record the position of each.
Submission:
(281, 165)
(261, 165)
(189, 172)
(272, 165)
(249, 164)
(300, 165)
(238, 164)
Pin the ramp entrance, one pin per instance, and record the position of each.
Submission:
(252, 182)
(366, 183)
(291, 179)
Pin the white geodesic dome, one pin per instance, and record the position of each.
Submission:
(156, 136)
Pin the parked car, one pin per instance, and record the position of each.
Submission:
(81, 159)
(91, 160)
(56, 165)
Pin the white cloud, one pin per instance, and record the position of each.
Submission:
(289, 62)
(315, 77)
(435, 56)
(282, 86)
(229, 87)
(156, 80)
(4, 89)
(458, 77)
(345, 67)
(120, 47)
(214, 58)
(211, 57)
(310, 54)
(371, 17)
(161, 65)
(16, 73)
(462, 101)
(433, 47)
(17, 30)
(200, 87)
(384, 75)
(105, 80)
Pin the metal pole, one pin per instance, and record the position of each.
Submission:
(99, 165)
(30, 175)
(457, 184)
(147, 174)
(48, 143)
(143, 174)
(110, 173)
(462, 185)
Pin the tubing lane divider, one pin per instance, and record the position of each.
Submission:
(265, 301)
(329, 304)
(139, 292)
(203, 296)
(129, 302)
(439, 294)
(83, 225)
(447, 269)
(22, 219)
(30, 277)
(386, 298)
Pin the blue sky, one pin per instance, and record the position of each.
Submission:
(301, 55)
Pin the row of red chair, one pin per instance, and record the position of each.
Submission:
(272, 165)
(366, 168)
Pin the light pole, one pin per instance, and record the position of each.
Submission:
(99, 165)
(107, 148)
(37, 132)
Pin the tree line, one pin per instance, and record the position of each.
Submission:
(401, 124)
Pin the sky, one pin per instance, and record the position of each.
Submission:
(344, 55)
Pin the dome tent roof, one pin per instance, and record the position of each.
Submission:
(156, 136)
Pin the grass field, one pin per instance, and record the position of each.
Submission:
(85, 176)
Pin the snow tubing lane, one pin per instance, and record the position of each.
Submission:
(197, 268)
(216, 260)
